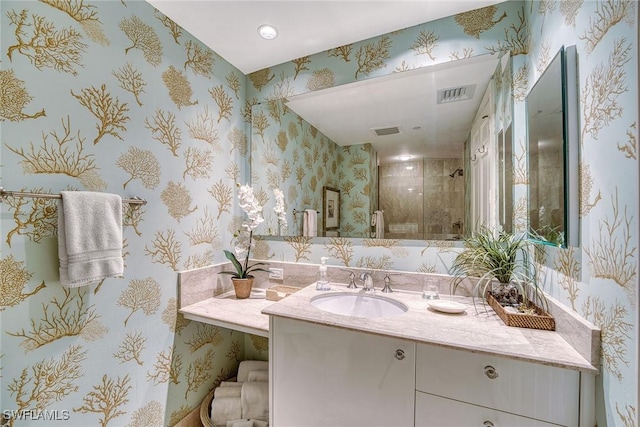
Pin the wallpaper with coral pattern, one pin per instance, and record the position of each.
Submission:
(290, 154)
(114, 97)
(599, 279)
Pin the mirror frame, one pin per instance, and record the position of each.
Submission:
(570, 146)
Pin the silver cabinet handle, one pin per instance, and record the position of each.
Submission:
(399, 354)
(487, 424)
(491, 372)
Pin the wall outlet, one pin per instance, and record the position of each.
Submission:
(276, 274)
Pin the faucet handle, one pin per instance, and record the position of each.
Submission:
(387, 281)
(352, 277)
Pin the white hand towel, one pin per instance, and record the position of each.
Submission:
(255, 400)
(377, 220)
(228, 391)
(260, 423)
(89, 237)
(261, 375)
(309, 223)
(225, 409)
(247, 366)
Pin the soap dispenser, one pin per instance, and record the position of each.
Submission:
(323, 279)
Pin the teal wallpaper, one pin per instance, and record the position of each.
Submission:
(291, 154)
(599, 279)
(295, 157)
(358, 183)
(113, 96)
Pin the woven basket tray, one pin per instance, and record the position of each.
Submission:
(205, 410)
(520, 320)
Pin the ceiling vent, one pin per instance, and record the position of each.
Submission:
(387, 131)
(460, 93)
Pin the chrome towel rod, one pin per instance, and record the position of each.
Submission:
(6, 193)
(296, 212)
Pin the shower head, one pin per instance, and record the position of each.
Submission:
(456, 172)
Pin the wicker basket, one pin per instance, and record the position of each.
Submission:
(541, 320)
(205, 410)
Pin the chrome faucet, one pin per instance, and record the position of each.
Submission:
(368, 282)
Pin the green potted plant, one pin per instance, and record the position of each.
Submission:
(503, 271)
(241, 276)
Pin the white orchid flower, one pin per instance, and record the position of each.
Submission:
(279, 209)
(244, 239)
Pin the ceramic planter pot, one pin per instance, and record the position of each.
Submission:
(242, 287)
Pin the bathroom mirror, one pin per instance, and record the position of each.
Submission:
(339, 138)
(552, 134)
(505, 150)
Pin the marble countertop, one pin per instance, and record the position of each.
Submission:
(480, 331)
(227, 311)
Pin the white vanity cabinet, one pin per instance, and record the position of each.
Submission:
(460, 388)
(328, 376)
(332, 376)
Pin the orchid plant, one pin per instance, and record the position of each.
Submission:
(279, 209)
(244, 238)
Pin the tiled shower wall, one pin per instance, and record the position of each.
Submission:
(436, 213)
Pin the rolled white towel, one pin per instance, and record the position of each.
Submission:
(259, 375)
(247, 423)
(225, 409)
(240, 423)
(232, 383)
(247, 366)
(228, 391)
(255, 400)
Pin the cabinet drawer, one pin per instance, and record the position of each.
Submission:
(530, 389)
(435, 411)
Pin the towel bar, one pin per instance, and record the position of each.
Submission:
(5, 193)
(296, 212)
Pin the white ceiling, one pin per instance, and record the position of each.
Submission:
(305, 26)
(349, 114)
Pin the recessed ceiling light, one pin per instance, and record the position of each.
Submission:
(404, 158)
(268, 32)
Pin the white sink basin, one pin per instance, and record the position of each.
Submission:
(358, 305)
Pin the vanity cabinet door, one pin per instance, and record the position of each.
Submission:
(530, 389)
(326, 376)
(435, 411)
